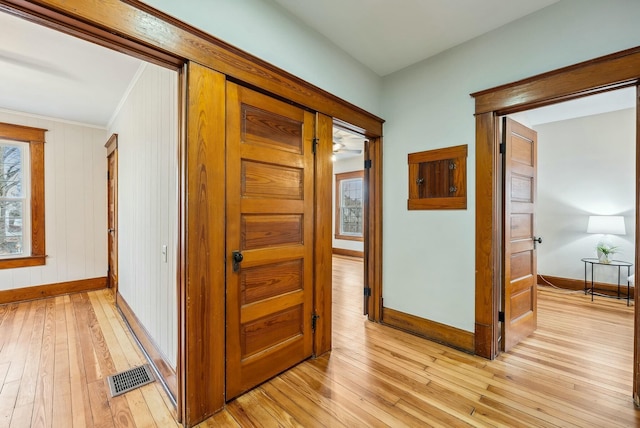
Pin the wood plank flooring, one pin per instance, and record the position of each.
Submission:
(54, 357)
(574, 371)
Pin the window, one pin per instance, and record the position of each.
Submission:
(349, 191)
(21, 196)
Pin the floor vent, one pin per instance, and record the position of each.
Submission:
(131, 379)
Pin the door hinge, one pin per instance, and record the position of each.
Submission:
(314, 146)
(503, 147)
(367, 291)
(367, 164)
(314, 321)
(108, 175)
(501, 316)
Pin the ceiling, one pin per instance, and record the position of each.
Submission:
(387, 36)
(51, 74)
(48, 73)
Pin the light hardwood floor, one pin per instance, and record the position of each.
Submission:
(574, 371)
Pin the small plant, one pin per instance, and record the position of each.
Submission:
(605, 251)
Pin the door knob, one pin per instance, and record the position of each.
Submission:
(537, 240)
(237, 259)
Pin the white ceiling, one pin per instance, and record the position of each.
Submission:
(388, 35)
(48, 73)
(587, 106)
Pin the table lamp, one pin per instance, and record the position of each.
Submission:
(606, 225)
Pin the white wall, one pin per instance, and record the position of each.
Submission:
(586, 166)
(429, 256)
(264, 29)
(75, 204)
(339, 166)
(148, 205)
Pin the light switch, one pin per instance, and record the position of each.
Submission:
(164, 253)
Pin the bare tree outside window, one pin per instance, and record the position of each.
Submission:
(12, 199)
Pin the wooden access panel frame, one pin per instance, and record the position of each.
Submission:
(618, 70)
(203, 61)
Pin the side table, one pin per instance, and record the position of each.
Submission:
(615, 263)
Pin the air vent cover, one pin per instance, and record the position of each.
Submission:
(131, 379)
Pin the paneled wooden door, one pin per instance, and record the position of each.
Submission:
(520, 264)
(270, 203)
(112, 211)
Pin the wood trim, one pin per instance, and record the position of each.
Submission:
(608, 72)
(441, 333)
(112, 144)
(163, 367)
(373, 240)
(38, 246)
(604, 73)
(322, 277)
(348, 253)
(153, 29)
(340, 177)
(9, 131)
(52, 290)
(35, 138)
(487, 240)
(204, 314)
(21, 262)
(578, 284)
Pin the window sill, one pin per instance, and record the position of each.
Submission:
(22, 262)
(349, 237)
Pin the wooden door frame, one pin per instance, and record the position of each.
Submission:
(112, 149)
(618, 70)
(136, 29)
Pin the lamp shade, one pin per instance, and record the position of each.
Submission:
(606, 224)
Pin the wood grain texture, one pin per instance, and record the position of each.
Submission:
(451, 336)
(487, 242)
(373, 241)
(35, 138)
(151, 34)
(61, 350)
(203, 344)
(607, 72)
(51, 290)
(348, 253)
(268, 336)
(322, 276)
(575, 370)
(598, 75)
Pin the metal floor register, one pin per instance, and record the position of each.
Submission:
(131, 379)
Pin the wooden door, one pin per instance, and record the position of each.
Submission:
(112, 211)
(270, 202)
(520, 273)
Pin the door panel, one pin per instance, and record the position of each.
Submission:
(520, 275)
(112, 212)
(270, 175)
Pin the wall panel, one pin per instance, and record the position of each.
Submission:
(148, 205)
(75, 204)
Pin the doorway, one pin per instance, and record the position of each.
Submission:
(112, 213)
(585, 166)
(614, 71)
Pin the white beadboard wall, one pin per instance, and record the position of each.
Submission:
(148, 203)
(75, 204)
